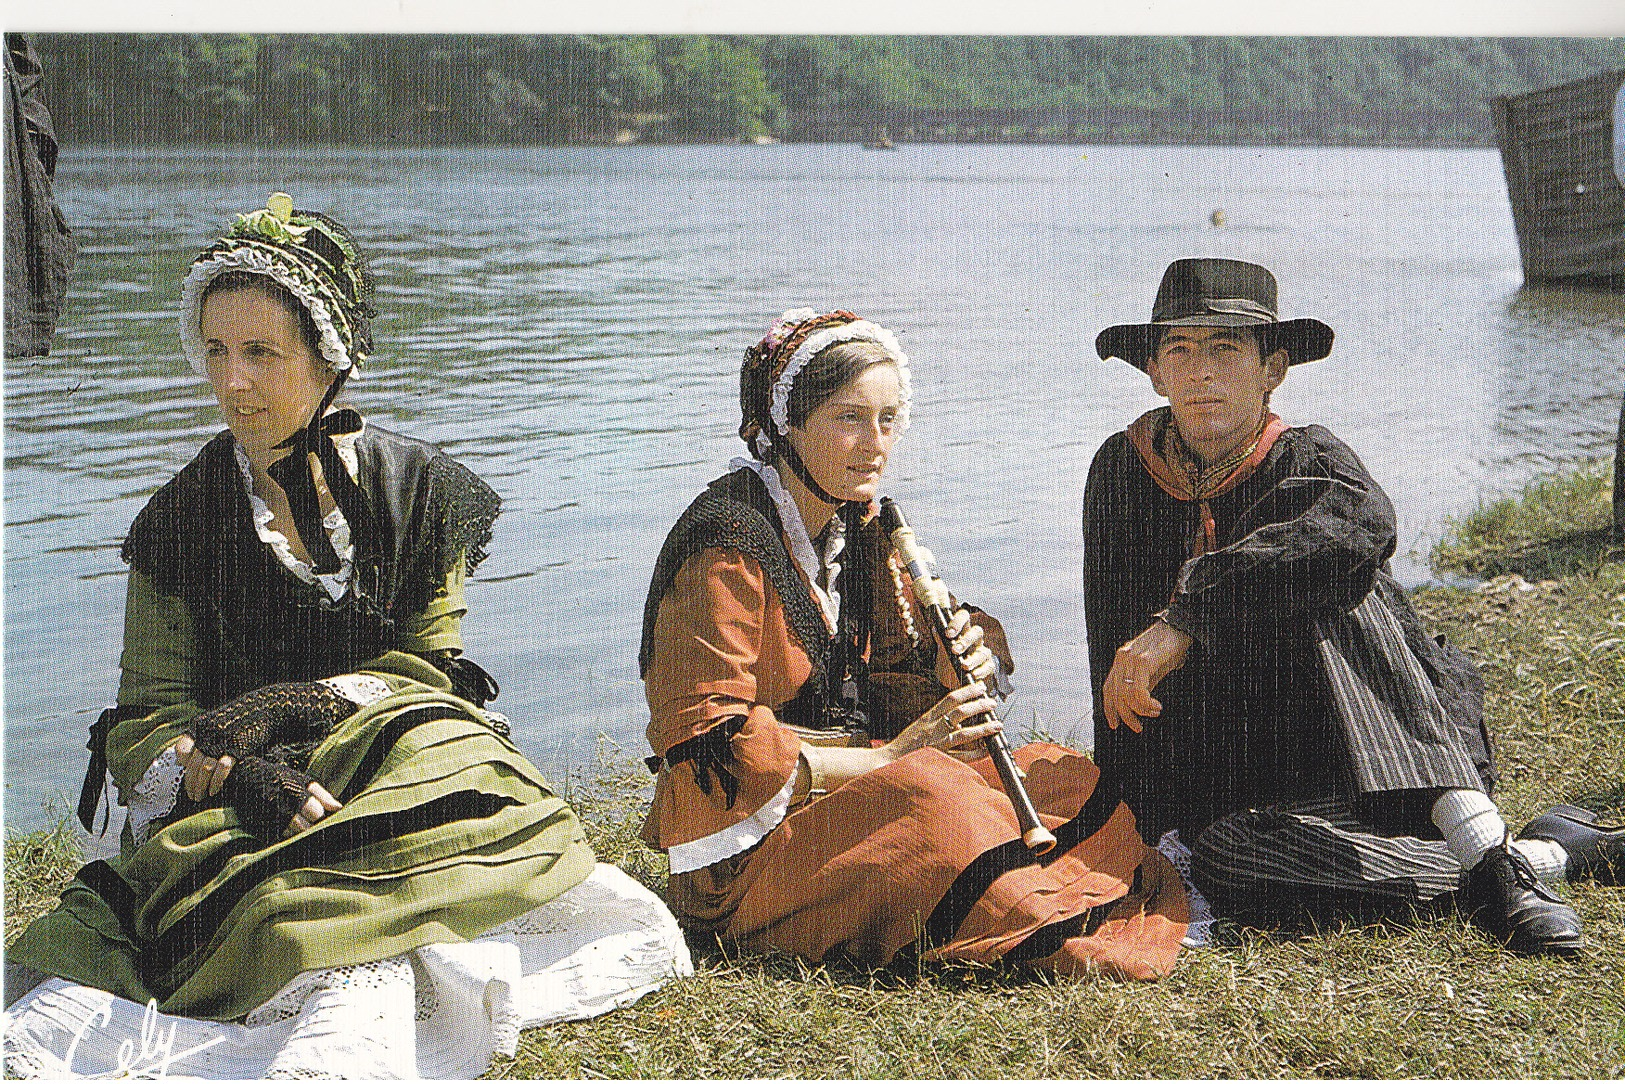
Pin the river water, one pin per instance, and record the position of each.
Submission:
(568, 322)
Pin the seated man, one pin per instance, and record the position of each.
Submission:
(1267, 691)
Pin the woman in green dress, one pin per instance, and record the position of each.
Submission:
(311, 780)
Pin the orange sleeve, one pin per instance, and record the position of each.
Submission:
(722, 649)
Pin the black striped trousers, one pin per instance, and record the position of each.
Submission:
(1398, 733)
(1317, 858)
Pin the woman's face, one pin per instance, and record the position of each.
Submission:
(847, 439)
(267, 380)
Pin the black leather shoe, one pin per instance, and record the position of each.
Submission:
(1507, 900)
(1595, 851)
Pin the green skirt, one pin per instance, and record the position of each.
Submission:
(446, 831)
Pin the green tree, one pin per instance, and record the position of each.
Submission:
(715, 88)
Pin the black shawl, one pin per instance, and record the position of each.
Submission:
(735, 512)
(254, 621)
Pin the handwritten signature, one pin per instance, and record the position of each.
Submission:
(150, 1057)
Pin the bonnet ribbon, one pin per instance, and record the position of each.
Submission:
(293, 473)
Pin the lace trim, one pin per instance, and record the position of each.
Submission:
(358, 689)
(801, 547)
(337, 527)
(361, 1016)
(246, 259)
(154, 796)
(1200, 931)
(834, 546)
(741, 836)
(779, 410)
(602, 944)
(290, 1000)
(24, 1060)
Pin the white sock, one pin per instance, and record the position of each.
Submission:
(1549, 859)
(1471, 824)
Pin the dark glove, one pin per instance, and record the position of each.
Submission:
(266, 795)
(294, 711)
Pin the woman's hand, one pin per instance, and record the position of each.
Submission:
(274, 800)
(205, 775)
(943, 726)
(965, 641)
(276, 714)
(318, 805)
(1138, 669)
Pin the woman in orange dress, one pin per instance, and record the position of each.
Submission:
(821, 782)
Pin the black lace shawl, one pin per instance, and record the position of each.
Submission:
(735, 512)
(256, 623)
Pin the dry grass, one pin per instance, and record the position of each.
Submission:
(1432, 998)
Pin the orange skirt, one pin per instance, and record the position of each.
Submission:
(924, 855)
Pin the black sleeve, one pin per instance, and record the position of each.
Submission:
(1104, 603)
(1313, 542)
(461, 511)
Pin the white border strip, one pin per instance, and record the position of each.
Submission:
(687, 857)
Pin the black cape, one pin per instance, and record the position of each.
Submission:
(256, 623)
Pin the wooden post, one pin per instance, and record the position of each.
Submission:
(1515, 166)
(1619, 475)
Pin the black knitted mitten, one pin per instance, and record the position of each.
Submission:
(266, 795)
(294, 711)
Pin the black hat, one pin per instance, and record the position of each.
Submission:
(1216, 293)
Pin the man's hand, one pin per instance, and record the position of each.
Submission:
(1139, 667)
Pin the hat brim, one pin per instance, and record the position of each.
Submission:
(1302, 339)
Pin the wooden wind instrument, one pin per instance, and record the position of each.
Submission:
(933, 595)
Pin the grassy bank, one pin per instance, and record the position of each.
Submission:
(1433, 998)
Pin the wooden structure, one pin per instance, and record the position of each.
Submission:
(1557, 148)
(1619, 477)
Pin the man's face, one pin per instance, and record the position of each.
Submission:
(1216, 383)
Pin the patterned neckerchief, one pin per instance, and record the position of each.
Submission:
(1179, 472)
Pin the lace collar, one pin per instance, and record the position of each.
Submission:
(337, 528)
(810, 564)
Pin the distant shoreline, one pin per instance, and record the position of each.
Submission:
(68, 144)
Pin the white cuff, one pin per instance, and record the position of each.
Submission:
(358, 689)
(735, 838)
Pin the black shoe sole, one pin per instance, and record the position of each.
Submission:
(1556, 948)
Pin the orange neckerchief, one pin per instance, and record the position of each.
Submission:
(1181, 475)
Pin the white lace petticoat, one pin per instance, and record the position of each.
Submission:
(441, 1011)
(1200, 931)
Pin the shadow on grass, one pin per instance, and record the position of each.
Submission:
(1372, 921)
(906, 972)
(1608, 801)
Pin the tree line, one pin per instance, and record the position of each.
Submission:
(559, 88)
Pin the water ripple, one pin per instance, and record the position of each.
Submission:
(569, 323)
